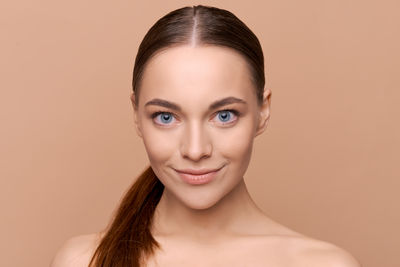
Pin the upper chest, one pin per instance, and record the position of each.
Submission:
(241, 253)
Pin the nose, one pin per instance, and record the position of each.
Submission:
(195, 142)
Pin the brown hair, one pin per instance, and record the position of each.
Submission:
(128, 239)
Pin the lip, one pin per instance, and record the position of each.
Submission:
(198, 176)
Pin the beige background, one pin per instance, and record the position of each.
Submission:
(328, 165)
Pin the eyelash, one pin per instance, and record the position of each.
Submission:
(235, 113)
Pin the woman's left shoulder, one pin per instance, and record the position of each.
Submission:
(316, 253)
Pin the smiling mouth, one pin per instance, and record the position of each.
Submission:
(198, 177)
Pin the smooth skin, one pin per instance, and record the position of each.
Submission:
(197, 109)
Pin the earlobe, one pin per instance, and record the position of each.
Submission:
(264, 112)
(135, 116)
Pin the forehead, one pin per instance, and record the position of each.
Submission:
(192, 74)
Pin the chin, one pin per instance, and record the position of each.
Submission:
(203, 205)
(200, 206)
(201, 200)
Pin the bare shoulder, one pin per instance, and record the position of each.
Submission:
(76, 251)
(291, 248)
(315, 253)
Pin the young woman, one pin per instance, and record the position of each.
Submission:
(200, 99)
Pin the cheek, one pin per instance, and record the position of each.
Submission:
(237, 143)
(160, 144)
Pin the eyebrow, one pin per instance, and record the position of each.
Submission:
(214, 105)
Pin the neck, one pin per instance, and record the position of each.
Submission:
(234, 214)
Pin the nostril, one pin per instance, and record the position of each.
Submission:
(196, 153)
(196, 145)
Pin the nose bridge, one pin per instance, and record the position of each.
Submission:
(196, 142)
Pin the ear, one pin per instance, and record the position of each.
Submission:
(135, 116)
(264, 114)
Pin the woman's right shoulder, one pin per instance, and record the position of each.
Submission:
(77, 251)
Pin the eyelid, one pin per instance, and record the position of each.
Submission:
(156, 113)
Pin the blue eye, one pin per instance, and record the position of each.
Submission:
(163, 117)
(227, 116)
(224, 116)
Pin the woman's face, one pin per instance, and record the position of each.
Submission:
(198, 115)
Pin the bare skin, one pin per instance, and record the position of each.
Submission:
(215, 223)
